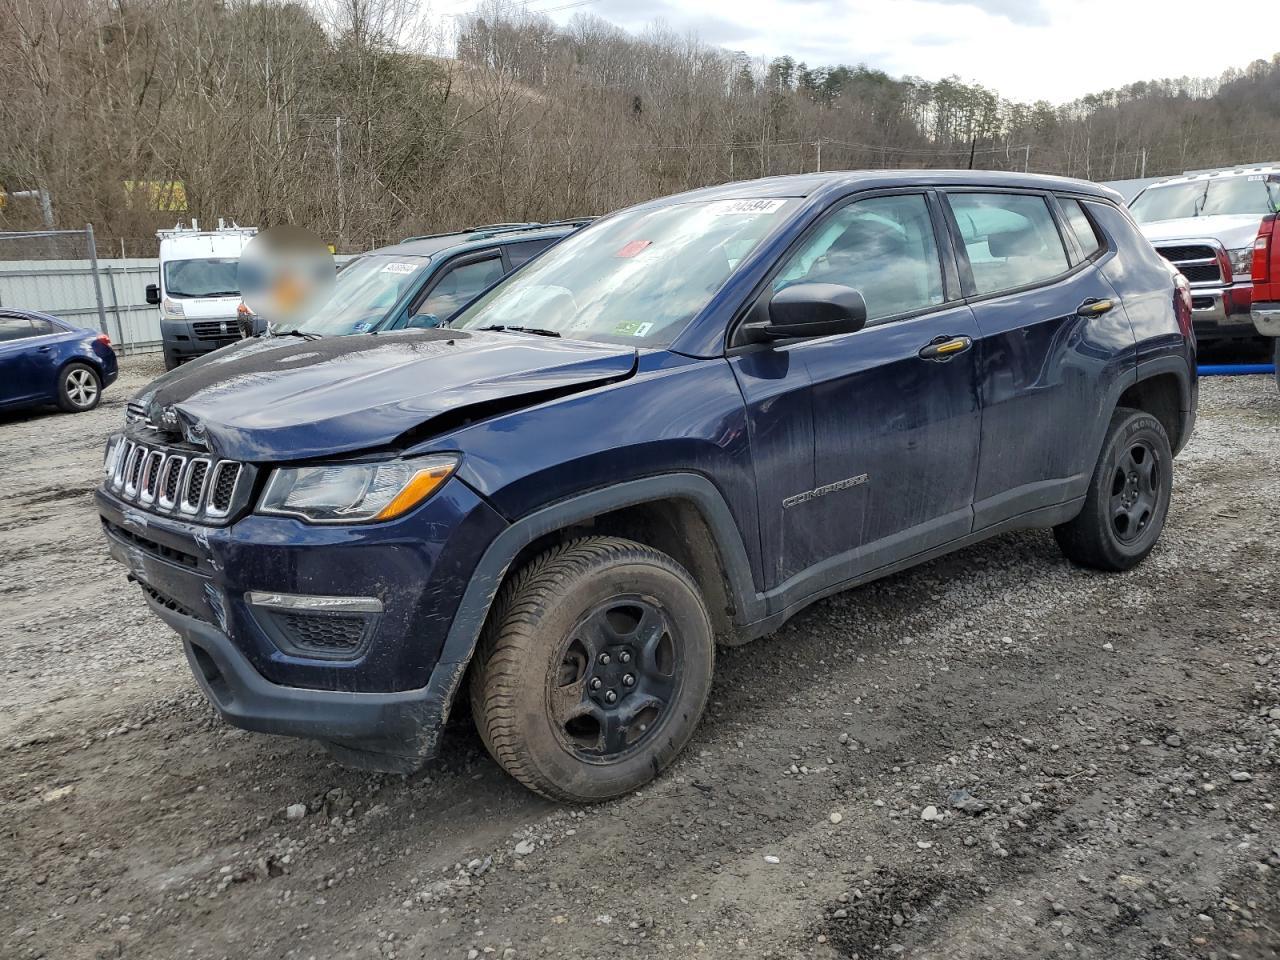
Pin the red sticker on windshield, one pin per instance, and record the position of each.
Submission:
(633, 248)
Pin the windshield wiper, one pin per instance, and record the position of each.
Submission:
(537, 331)
(297, 333)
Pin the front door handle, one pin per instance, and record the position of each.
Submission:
(1096, 307)
(944, 348)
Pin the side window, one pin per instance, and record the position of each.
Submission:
(521, 253)
(1011, 239)
(1080, 225)
(882, 247)
(15, 328)
(42, 328)
(455, 289)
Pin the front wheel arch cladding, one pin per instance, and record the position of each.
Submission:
(495, 565)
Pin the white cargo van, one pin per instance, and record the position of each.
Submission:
(197, 292)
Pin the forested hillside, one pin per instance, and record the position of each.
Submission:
(342, 116)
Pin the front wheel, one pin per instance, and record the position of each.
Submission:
(1128, 497)
(79, 388)
(594, 669)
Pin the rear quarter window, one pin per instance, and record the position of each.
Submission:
(1081, 226)
(1011, 240)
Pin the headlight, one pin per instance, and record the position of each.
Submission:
(355, 492)
(1241, 261)
(111, 457)
(172, 308)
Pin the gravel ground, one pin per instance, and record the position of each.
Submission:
(992, 755)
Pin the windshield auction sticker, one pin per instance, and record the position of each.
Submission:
(758, 206)
(633, 248)
(400, 268)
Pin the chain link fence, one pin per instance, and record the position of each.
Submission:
(59, 272)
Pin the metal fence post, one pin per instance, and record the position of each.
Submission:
(115, 307)
(97, 284)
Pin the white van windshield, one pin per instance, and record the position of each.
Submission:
(214, 277)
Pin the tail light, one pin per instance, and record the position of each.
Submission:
(1182, 305)
(103, 339)
(1262, 250)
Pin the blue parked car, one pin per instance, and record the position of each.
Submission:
(678, 427)
(47, 360)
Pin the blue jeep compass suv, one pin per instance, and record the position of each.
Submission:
(677, 427)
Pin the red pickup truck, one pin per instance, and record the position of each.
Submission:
(1266, 284)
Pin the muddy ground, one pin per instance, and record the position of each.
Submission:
(993, 755)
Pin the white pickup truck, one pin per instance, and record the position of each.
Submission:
(197, 290)
(1205, 223)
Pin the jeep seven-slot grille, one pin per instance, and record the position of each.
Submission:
(186, 484)
(1197, 262)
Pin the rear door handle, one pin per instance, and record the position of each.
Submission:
(1096, 307)
(45, 349)
(944, 348)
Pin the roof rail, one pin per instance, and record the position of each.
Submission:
(1235, 168)
(493, 229)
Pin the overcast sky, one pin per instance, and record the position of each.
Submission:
(1055, 50)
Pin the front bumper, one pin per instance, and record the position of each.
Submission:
(401, 729)
(390, 696)
(1219, 313)
(1266, 319)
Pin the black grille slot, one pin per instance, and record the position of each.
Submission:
(1201, 272)
(195, 484)
(135, 468)
(154, 462)
(151, 546)
(224, 485)
(1201, 303)
(167, 602)
(172, 474)
(1189, 252)
(323, 633)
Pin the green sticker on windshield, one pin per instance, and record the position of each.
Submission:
(633, 328)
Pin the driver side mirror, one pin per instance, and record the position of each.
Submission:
(805, 310)
(153, 294)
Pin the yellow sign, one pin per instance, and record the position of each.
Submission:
(162, 195)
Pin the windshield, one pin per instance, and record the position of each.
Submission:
(639, 277)
(202, 278)
(363, 294)
(1205, 198)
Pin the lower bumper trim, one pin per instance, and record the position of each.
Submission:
(396, 732)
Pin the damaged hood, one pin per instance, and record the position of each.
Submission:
(283, 398)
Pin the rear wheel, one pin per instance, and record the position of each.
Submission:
(79, 388)
(1128, 497)
(594, 669)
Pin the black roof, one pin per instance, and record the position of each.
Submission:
(480, 237)
(807, 184)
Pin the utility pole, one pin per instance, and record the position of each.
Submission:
(337, 162)
(1144, 162)
(973, 146)
(818, 144)
(1026, 161)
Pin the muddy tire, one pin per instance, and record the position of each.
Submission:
(79, 388)
(1128, 498)
(594, 669)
